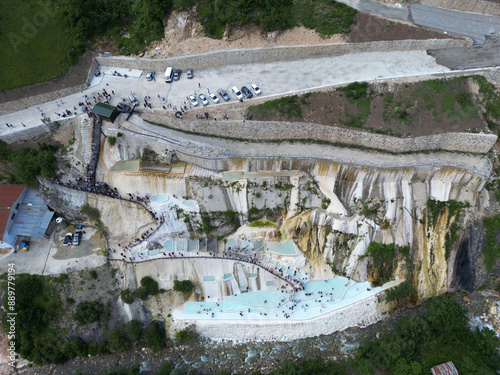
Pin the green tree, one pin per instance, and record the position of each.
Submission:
(185, 286)
(150, 285)
(88, 312)
(134, 331)
(155, 335)
(127, 296)
(118, 340)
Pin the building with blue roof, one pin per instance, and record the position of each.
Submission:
(27, 216)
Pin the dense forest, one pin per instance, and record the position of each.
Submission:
(41, 39)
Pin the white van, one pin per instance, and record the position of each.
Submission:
(169, 74)
(236, 91)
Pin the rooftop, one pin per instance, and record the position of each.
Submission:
(8, 196)
(104, 110)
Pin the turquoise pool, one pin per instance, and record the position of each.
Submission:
(317, 298)
(282, 248)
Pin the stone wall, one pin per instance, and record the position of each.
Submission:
(262, 55)
(25, 134)
(477, 6)
(267, 131)
(94, 67)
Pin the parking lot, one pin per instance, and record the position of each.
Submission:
(274, 79)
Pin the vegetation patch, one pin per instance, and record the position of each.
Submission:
(287, 107)
(155, 336)
(88, 312)
(149, 287)
(416, 109)
(24, 164)
(383, 258)
(215, 219)
(490, 100)
(326, 17)
(94, 215)
(491, 249)
(186, 335)
(403, 294)
(184, 286)
(262, 223)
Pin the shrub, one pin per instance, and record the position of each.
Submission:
(118, 340)
(78, 347)
(382, 267)
(185, 335)
(88, 312)
(141, 293)
(93, 274)
(185, 286)
(133, 329)
(111, 140)
(491, 249)
(150, 285)
(91, 212)
(127, 296)
(165, 369)
(155, 335)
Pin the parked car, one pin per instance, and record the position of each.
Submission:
(177, 75)
(193, 100)
(123, 107)
(203, 99)
(189, 73)
(255, 89)
(133, 100)
(77, 237)
(237, 93)
(248, 94)
(68, 239)
(150, 76)
(224, 94)
(213, 97)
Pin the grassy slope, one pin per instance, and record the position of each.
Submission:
(41, 55)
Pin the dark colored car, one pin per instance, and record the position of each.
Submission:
(224, 94)
(123, 107)
(68, 239)
(248, 94)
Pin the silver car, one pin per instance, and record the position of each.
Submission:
(193, 100)
(203, 99)
(213, 97)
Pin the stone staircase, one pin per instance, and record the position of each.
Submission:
(86, 130)
(196, 171)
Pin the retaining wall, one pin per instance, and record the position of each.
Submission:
(25, 134)
(262, 55)
(267, 131)
(94, 67)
